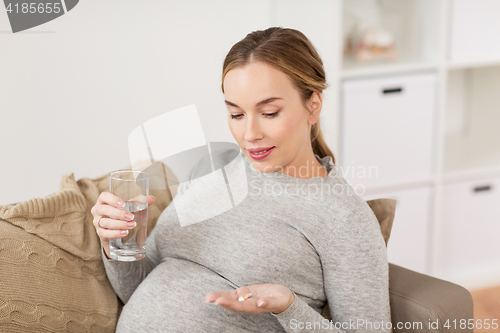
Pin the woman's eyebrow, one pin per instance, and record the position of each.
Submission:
(267, 100)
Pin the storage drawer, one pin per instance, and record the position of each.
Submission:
(468, 240)
(387, 129)
(408, 243)
(474, 30)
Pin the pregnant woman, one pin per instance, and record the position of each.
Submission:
(300, 239)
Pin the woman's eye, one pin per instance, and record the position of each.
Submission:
(270, 115)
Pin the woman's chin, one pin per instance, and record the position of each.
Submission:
(263, 167)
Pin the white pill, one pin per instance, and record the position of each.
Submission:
(241, 298)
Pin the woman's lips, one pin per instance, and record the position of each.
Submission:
(261, 156)
(258, 150)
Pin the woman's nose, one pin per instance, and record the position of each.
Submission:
(252, 130)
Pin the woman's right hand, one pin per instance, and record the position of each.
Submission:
(110, 221)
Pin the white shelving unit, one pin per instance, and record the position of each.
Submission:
(465, 150)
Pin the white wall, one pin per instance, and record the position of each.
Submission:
(71, 90)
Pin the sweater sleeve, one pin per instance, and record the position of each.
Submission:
(125, 276)
(356, 280)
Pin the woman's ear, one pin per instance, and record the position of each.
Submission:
(315, 104)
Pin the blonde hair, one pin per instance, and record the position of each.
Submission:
(290, 51)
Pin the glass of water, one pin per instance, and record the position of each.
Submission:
(132, 187)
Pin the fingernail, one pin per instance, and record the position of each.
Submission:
(124, 232)
(121, 203)
(154, 197)
(261, 303)
(131, 224)
(129, 216)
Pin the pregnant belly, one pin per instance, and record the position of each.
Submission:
(172, 299)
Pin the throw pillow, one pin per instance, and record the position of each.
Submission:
(52, 274)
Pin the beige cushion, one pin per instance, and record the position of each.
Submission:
(52, 275)
(385, 210)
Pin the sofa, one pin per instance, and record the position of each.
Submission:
(53, 278)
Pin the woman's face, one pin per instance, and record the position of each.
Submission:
(265, 110)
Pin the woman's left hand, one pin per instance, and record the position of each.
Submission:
(266, 297)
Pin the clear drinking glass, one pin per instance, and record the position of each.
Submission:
(132, 187)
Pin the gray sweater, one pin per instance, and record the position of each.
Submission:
(315, 236)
